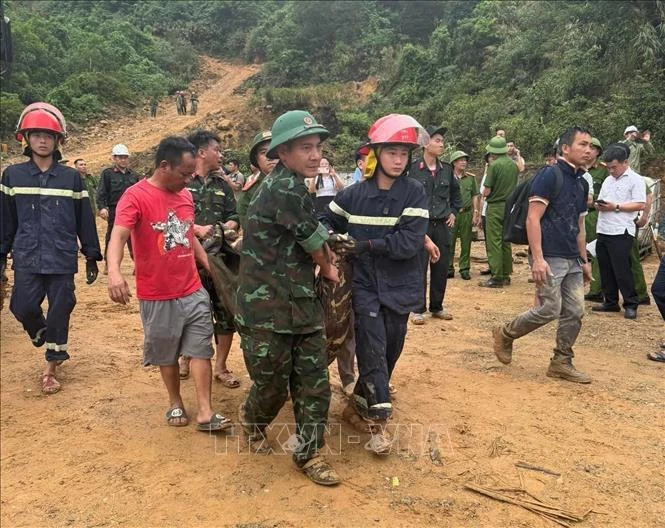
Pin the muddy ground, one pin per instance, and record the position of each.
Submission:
(99, 453)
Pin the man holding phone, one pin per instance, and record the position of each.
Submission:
(619, 200)
(555, 228)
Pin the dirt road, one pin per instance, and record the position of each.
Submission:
(99, 453)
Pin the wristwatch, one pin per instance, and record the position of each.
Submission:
(617, 209)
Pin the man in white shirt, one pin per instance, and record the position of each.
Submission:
(622, 195)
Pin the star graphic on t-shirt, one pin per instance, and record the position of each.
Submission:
(175, 231)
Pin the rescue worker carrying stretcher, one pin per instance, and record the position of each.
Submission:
(384, 221)
(45, 209)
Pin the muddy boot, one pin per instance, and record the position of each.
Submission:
(503, 345)
(381, 442)
(320, 472)
(562, 367)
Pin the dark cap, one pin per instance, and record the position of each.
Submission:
(435, 129)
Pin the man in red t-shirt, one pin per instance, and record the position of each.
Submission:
(158, 213)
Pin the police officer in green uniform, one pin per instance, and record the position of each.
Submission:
(280, 318)
(598, 173)
(214, 205)
(469, 214)
(502, 176)
(258, 158)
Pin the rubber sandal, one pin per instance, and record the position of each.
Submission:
(320, 472)
(177, 413)
(657, 356)
(50, 385)
(216, 423)
(226, 378)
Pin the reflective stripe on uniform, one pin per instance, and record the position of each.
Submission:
(56, 348)
(377, 220)
(338, 210)
(68, 193)
(415, 211)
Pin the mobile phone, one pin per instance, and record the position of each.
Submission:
(601, 202)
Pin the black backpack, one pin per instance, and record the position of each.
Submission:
(517, 207)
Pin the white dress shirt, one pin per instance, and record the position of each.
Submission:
(629, 187)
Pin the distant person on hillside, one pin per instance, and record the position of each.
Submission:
(178, 102)
(325, 186)
(514, 154)
(158, 213)
(194, 98)
(45, 214)
(235, 178)
(89, 181)
(154, 103)
(113, 182)
(184, 103)
(639, 145)
(555, 229)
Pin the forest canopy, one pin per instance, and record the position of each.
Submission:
(532, 67)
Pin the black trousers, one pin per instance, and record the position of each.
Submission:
(28, 294)
(613, 252)
(109, 228)
(658, 288)
(440, 234)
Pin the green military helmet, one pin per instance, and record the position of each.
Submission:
(497, 145)
(293, 125)
(261, 137)
(457, 155)
(596, 143)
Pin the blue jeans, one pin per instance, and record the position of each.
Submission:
(562, 297)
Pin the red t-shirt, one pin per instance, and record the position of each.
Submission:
(162, 231)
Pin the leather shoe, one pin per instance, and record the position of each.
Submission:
(630, 313)
(492, 283)
(594, 297)
(465, 275)
(606, 308)
(644, 301)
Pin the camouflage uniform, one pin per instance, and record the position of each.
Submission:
(91, 183)
(245, 197)
(214, 204)
(280, 317)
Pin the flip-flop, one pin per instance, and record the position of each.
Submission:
(217, 422)
(175, 414)
(657, 356)
(50, 385)
(226, 378)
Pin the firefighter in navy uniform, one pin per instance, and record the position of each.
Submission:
(45, 209)
(382, 221)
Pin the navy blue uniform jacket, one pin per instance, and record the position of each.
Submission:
(43, 214)
(396, 221)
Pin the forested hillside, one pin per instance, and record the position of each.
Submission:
(532, 67)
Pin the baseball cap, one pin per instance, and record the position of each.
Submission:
(631, 128)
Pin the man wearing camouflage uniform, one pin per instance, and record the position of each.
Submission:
(279, 316)
(259, 159)
(214, 205)
(89, 181)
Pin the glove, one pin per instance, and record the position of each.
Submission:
(347, 245)
(91, 271)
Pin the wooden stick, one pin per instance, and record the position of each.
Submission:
(526, 465)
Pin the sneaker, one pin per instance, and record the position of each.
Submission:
(442, 314)
(564, 369)
(417, 319)
(503, 345)
(320, 472)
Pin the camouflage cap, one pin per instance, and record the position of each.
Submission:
(261, 137)
(293, 125)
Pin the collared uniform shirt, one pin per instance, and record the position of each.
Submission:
(276, 279)
(214, 201)
(395, 221)
(629, 187)
(112, 184)
(441, 188)
(468, 189)
(43, 215)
